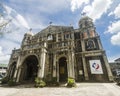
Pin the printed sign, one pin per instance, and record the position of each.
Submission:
(95, 66)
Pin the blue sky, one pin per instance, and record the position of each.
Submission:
(37, 14)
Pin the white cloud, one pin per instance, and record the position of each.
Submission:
(111, 13)
(42, 5)
(16, 28)
(38, 12)
(114, 27)
(8, 10)
(76, 4)
(1, 51)
(6, 47)
(3, 58)
(113, 58)
(117, 11)
(115, 39)
(8, 44)
(22, 21)
(97, 8)
(16, 18)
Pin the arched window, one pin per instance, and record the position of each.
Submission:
(49, 37)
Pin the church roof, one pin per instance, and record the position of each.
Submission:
(29, 33)
(53, 29)
(85, 18)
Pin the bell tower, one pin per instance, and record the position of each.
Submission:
(92, 51)
(87, 27)
(89, 34)
(27, 37)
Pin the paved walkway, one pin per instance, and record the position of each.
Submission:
(83, 89)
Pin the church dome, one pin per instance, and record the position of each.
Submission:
(85, 21)
(29, 33)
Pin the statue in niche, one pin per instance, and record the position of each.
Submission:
(90, 44)
(50, 37)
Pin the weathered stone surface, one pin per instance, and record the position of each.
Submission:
(61, 52)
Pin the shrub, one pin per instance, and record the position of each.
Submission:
(71, 82)
(39, 82)
(11, 82)
(54, 81)
(5, 80)
(117, 80)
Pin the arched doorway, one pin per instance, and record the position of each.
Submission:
(63, 73)
(29, 69)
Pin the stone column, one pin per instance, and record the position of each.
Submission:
(84, 62)
(54, 65)
(56, 45)
(110, 76)
(19, 72)
(70, 67)
(16, 70)
(85, 68)
(11, 71)
(83, 45)
(73, 65)
(8, 70)
(42, 62)
(62, 39)
(57, 63)
(99, 43)
(56, 37)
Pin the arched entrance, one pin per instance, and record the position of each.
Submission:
(63, 73)
(29, 69)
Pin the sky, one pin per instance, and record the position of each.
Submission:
(36, 14)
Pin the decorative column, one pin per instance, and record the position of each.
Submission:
(8, 71)
(62, 39)
(56, 37)
(11, 71)
(16, 70)
(56, 45)
(19, 72)
(54, 65)
(42, 62)
(85, 68)
(73, 65)
(72, 55)
(83, 45)
(70, 66)
(57, 63)
(99, 43)
(84, 62)
(110, 76)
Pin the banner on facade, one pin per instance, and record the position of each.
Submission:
(95, 66)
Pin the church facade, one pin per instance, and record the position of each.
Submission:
(61, 52)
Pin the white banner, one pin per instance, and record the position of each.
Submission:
(95, 66)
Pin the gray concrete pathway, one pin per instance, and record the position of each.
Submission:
(83, 89)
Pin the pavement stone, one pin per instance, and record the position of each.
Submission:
(82, 89)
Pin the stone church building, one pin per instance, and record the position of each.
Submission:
(61, 52)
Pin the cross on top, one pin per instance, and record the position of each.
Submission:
(83, 13)
(50, 22)
(30, 29)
